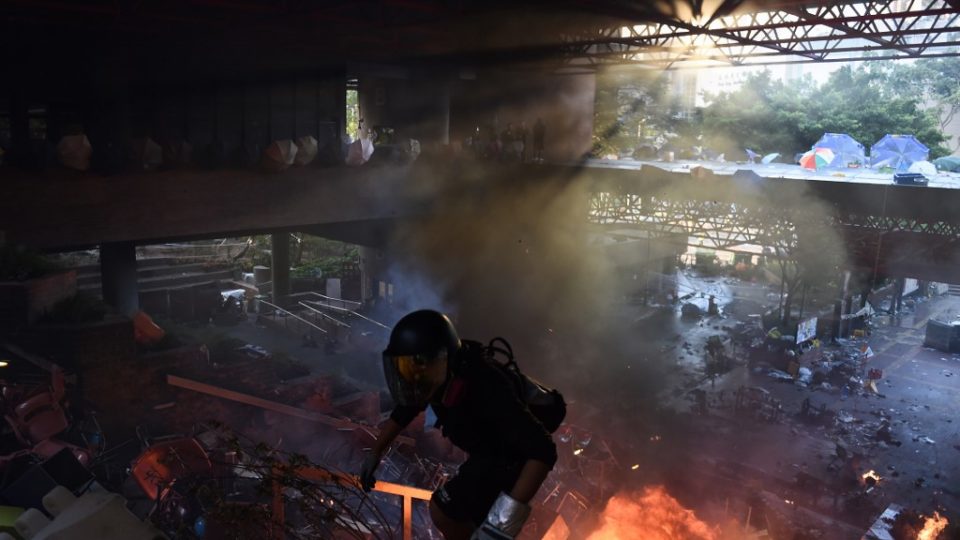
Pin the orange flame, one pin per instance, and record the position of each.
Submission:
(933, 527)
(651, 515)
(871, 474)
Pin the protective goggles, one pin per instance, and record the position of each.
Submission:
(413, 378)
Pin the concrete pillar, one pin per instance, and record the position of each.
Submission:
(20, 152)
(280, 250)
(373, 269)
(118, 275)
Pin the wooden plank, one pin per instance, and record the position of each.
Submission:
(407, 518)
(315, 474)
(322, 475)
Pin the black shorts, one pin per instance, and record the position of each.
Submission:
(469, 495)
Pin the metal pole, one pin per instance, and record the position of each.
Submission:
(354, 313)
(315, 312)
(278, 308)
(278, 517)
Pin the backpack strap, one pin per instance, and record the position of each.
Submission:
(456, 389)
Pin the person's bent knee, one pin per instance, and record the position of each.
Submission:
(449, 527)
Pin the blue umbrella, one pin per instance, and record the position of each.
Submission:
(898, 151)
(846, 150)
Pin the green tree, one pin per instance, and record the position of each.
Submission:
(353, 114)
(866, 101)
(937, 82)
(630, 109)
(808, 254)
(764, 115)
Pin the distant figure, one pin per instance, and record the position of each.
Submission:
(507, 139)
(539, 133)
(522, 133)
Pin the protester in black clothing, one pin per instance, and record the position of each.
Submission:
(479, 410)
(522, 133)
(539, 134)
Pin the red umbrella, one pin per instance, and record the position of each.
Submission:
(816, 158)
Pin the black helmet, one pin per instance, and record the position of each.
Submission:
(416, 359)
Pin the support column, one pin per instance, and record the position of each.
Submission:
(20, 152)
(280, 263)
(843, 305)
(373, 268)
(118, 276)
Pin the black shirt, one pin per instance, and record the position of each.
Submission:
(480, 412)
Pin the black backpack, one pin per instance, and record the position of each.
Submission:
(546, 404)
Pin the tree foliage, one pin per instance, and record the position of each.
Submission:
(766, 115)
(632, 109)
(866, 101)
(353, 114)
(807, 252)
(936, 81)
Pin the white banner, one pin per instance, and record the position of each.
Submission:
(807, 330)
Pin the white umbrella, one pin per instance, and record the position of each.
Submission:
(279, 155)
(359, 151)
(146, 153)
(768, 159)
(923, 167)
(74, 152)
(306, 150)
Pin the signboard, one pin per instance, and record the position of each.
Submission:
(333, 287)
(910, 285)
(807, 330)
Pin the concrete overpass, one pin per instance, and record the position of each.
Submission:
(900, 231)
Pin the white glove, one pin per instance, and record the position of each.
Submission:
(504, 521)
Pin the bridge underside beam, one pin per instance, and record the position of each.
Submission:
(847, 200)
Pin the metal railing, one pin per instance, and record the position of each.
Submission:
(314, 474)
(343, 302)
(344, 310)
(316, 311)
(294, 315)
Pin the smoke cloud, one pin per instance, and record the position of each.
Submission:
(506, 250)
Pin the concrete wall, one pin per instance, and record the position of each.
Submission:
(564, 102)
(231, 113)
(423, 106)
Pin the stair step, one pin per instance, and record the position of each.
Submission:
(164, 270)
(152, 271)
(150, 262)
(155, 261)
(167, 282)
(183, 279)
